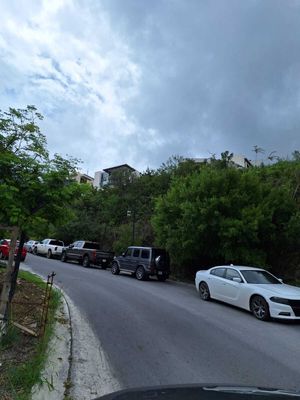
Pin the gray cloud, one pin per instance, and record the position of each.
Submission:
(218, 75)
(137, 81)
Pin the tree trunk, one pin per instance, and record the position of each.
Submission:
(4, 299)
(15, 272)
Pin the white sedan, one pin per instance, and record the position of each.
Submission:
(253, 289)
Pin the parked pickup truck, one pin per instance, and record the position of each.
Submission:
(87, 254)
(49, 248)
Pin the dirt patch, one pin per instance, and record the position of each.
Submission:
(27, 305)
(18, 348)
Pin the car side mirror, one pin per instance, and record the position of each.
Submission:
(71, 246)
(236, 279)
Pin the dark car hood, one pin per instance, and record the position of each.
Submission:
(201, 392)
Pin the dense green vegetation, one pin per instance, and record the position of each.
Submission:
(204, 214)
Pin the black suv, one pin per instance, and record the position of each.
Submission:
(143, 262)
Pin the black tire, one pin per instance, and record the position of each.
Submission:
(49, 254)
(115, 270)
(86, 261)
(140, 274)
(161, 278)
(204, 291)
(259, 308)
(64, 257)
(34, 251)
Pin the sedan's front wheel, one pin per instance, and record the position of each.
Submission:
(204, 291)
(259, 308)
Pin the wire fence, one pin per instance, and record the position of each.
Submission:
(30, 305)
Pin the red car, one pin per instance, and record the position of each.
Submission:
(4, 250)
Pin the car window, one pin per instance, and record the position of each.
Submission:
(232, 273)
(56, 243)
(259, 277)
(91, 245)
(145, 254)
(136, 252)
(128, 253)
(218, 272)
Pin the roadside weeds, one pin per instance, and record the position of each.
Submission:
(22, 356)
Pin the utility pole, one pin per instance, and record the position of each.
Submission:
(132, 214)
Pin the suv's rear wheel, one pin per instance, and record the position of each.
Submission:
(86, 262)
(140, 273)
(49, 254)
(115, 270)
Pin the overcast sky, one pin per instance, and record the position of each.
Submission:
(136, 81)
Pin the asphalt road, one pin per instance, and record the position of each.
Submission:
(162, 333)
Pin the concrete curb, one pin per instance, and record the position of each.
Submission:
(56, 371)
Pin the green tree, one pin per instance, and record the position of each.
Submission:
(34, 188)
(230, 216)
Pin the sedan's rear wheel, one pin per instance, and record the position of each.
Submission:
(115, 270)
(49, 254)
(259, 308)
(204, 291)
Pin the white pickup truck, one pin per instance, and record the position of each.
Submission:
(49, 248)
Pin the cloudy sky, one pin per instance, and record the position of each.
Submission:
(136, 81)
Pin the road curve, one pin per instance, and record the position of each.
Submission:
(161, 333)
